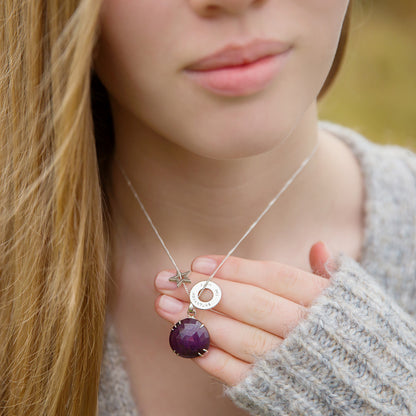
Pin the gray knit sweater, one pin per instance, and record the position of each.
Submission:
(355, 352)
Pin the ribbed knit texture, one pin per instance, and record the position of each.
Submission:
(355, 352)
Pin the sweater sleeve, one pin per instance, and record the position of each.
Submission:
(353, 354)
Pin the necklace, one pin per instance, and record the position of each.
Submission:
(189, 338)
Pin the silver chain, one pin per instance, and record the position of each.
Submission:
(291, 179)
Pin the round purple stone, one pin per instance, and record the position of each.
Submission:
(189, 338)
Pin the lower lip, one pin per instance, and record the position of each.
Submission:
(240, 80)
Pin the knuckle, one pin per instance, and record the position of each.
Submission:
(299, 314)
(232, 266)
(295, 277)
(263, 304)
(289, 276)
(219, 366)
(321, 284)
(260, 343)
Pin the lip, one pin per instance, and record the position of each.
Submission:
(235, 55)
(240, 70)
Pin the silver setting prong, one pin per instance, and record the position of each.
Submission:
(202, 353)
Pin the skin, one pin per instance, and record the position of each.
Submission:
(204, 177)
(277, 297)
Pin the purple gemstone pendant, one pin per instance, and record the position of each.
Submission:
(189, 338)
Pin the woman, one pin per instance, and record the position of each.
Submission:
(206, 149)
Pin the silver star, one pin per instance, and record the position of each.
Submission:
(180, 279)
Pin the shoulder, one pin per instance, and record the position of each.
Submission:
(389, 251)
(391, 164)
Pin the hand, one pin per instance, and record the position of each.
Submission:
(262, 301)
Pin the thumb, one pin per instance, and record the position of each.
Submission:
(320, 259)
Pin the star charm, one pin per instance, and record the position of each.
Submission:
(180, 279)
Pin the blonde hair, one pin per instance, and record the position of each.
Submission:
(53, 254)
(54, 237)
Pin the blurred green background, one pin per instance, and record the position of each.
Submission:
(375, 91)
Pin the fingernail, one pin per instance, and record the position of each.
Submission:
(163, 282)
(169, 304)
(204, 265)
(326, 248)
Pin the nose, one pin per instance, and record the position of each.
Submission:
(208, 8)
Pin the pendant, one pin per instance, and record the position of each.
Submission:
(180, 278)
(200, 304)
(189, 338)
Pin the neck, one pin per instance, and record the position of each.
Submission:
(203, 206)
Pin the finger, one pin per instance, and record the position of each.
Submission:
(223, 366)
(242, 341)
(216, 362)
(251, 305)
(319, 258)
(289, 282)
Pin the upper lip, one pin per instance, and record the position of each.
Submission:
(237, 54)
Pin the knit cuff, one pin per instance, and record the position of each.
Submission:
(353, 354)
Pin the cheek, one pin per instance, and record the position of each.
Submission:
(326, 19)
(132, 41)
(316, 46)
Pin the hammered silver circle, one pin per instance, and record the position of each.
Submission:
(200, 304)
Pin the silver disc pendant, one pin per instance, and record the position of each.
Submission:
(200, 304)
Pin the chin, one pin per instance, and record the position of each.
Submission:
(237, 146)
